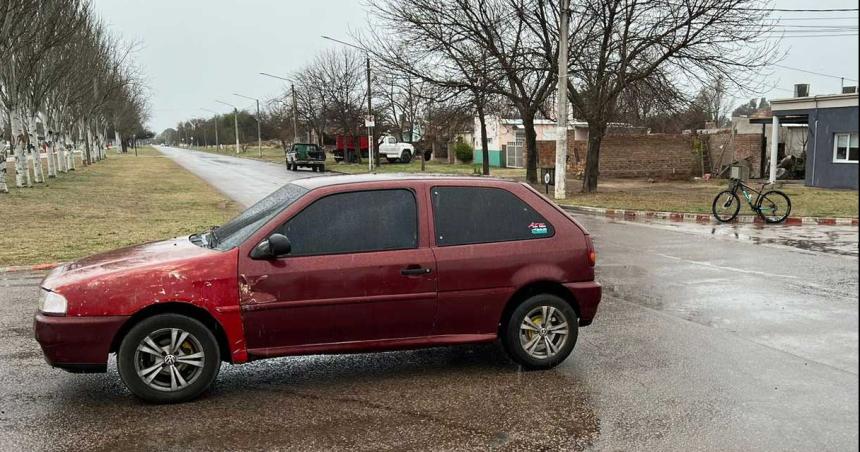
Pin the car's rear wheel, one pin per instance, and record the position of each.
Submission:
(168, 358)
(541, 332)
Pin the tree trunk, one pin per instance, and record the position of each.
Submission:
(88, 139)
(36, 152)
(531, 147)
(596, 132)
(485, 147)
(70, 155)
(19, 148)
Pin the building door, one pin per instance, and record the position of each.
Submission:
(515, 150)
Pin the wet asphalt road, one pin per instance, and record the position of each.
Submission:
(704, 341)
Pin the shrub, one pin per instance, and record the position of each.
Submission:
(464, 152)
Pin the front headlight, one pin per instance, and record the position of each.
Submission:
(52, 303)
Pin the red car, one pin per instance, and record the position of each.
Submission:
(335, 264)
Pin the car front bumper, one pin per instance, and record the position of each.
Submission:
(77, 344)
(587, 295)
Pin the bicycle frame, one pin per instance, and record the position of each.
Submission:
(746, 189)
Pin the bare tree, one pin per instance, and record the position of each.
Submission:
(480, 47)
(621, 43)
(61, 70)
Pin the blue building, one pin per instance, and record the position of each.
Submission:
(833, 145)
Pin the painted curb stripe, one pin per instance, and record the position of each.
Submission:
(633, 215)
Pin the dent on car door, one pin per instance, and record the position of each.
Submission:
(357, 272)
(485, 238)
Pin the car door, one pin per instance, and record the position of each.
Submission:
(486, 239)
(359, 270)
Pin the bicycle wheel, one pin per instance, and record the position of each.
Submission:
(726, 206)
(774, 206)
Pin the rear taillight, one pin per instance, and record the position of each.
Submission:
(589, 250)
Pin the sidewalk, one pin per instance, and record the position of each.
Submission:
(644, 215)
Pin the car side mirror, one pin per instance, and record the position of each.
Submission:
(277, 245)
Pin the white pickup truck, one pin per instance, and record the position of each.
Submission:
(394, 151)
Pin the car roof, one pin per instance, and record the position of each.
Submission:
(311, 183)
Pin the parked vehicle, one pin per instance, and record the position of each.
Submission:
(451, 260)
(349, 148)
(395, 151)
(305, 155)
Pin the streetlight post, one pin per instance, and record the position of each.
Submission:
(561, 131)
(217, 143)
(295, 106)
(370, 157)
(235, 121)
(259, 139)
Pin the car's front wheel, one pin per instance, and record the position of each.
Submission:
(168, 358)
(541, 332)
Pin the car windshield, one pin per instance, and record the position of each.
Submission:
(237, 230)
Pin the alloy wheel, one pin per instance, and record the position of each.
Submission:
(169, 359)
(543, 332)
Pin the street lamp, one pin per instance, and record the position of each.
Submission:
(369, 121)
(235, 121)
(295, 107)
(259, 140)
(217, 144)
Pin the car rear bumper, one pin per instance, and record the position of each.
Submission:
(77, 344)
(587, 295)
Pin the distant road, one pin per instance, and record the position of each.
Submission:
(244, 180)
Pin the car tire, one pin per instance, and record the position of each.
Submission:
(405, 157)
(537, 344)
(178, 380)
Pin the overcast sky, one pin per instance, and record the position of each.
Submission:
(196, 51)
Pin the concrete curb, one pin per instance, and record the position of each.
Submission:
(29, 268)
(703, 218)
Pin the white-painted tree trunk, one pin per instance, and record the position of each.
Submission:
(70, 155)
(3, 187)
(36, 154)
(49, 145)
(22, 174)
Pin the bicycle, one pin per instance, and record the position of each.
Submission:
(773, 206)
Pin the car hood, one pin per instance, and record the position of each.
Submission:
(151, 255)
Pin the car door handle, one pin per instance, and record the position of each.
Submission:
(412, 271)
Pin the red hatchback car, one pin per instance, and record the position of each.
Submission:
(329, 265)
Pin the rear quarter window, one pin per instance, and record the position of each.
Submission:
(469, 215)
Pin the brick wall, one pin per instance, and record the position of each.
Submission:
(654, 155)
(747, 146)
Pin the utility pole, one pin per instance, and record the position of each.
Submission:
(217, 143)
(371, 158)
(235, 121)
(236, 127)
(295, 114)
(370, 153)
(561, 131)
(259, 139)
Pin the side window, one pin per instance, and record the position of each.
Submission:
(391, 140)
(355, 222)
(465, 215)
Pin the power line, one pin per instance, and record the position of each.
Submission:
(814, 73)
(777, 35)
(815, 18)
(829, 10)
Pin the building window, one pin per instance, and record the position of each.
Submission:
(845, 148)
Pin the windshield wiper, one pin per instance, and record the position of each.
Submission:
(212, 239)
